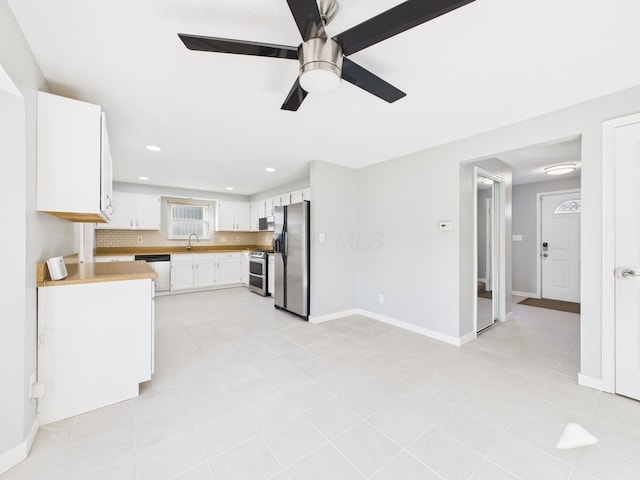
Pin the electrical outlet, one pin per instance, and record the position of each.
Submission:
(139, 238)
(380, 298)
(32, 381)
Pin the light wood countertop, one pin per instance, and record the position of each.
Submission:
(97, 272)
(104, 251)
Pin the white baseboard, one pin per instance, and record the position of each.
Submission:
(457, 341)
(518, 293)
(14, 456)
(332, 316)
(591, 382)
(509, 316)
(467, 338)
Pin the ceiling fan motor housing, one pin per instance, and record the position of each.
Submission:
(319, 57)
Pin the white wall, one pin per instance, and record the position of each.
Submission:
(333, 213)
(404, 255)
(43, 237)
(404, 198)
(525, 252)
(12, 328)
(424, 273)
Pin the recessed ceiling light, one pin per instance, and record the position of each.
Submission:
(143, 178)
(154, 148)
(228, 188)
(560, 169)
(269, 169)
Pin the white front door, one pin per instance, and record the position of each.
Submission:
(560, 248)
(627, 257)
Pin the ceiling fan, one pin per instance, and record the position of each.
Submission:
(323, 60)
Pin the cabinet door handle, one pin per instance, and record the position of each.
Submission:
(136, 223)
(131, 223)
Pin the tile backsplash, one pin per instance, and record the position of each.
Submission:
(158, 238)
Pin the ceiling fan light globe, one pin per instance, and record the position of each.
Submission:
(319, 80)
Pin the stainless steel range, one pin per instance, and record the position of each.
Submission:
(259, 272)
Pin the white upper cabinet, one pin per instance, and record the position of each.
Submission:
(255, 215)
(74, 171)
(148, 212)
(285, 199)
(132, 211)
(233, 216)
(296, 197)
(268, 207)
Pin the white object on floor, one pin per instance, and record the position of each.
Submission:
(575, 436)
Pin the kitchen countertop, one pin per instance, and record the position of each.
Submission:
(97, 272)
(103, 251)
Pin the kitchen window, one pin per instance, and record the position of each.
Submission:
(186, 218)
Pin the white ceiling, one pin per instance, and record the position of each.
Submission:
(218, 118)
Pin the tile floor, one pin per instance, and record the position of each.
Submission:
(242, 391)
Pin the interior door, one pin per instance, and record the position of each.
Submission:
(627, 253)
(560, 249)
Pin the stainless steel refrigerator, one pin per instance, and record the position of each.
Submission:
(291, 251)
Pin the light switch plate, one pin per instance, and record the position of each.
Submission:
(516, 238)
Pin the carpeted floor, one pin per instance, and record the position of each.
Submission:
(570, 307)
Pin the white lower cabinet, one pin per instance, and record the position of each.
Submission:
(95, 345)
(181, 272)
(245, 268)
(228, 268)
(205, 270)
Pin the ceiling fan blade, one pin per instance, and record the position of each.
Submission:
(363, 78)
(307, 17)
(295, 98)
(226, 45)
(394, 21)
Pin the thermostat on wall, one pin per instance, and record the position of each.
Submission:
(446, 226)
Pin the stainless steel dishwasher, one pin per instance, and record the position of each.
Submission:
(162, 266)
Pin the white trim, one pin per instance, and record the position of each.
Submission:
(509, 316)
(483, 280)
(15, 455)
(590, 382)
(608, 314)
(457, 341)
(518, 293)
(539, 196)
(315, 319)
(499, 271)
(467, 338)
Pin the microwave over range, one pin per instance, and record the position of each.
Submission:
(266, 224)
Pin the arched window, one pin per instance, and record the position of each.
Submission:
(570, 206)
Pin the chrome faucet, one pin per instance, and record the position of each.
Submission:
(189, 242)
